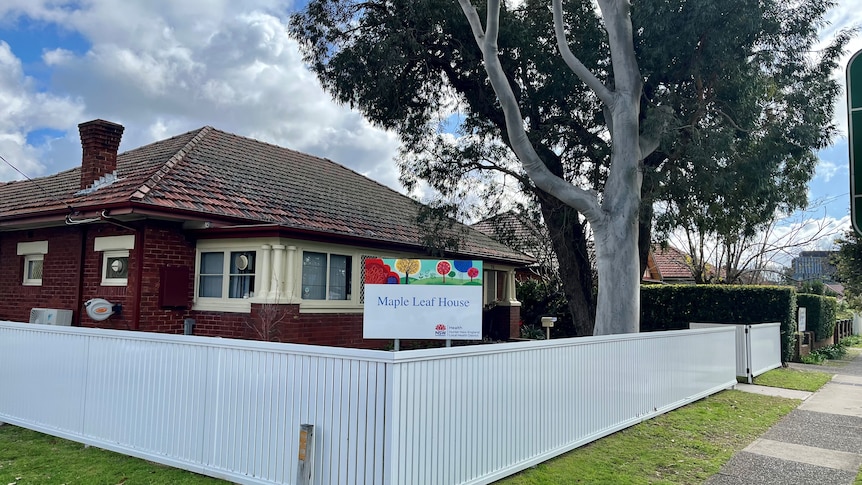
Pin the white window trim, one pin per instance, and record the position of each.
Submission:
(27, 259)
(114, 281)
(351, 305)
(32, 251)
(225, 304)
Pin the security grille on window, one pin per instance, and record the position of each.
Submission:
(34, 260)
(326, 276)
(33, 265)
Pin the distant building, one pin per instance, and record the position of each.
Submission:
(813, 265)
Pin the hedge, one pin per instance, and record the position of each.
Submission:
(673, 307)
(820, 314)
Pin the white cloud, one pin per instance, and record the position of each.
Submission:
(826, 170)
(162, 67)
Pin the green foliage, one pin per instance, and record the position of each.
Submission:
(848, 268)
(831, 352)
(815, 287)
(540, 299)
(673, 307)
(532, 332)
(734, 91)
(820, 314)
(852, 341)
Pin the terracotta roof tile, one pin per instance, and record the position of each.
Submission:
(220, 174)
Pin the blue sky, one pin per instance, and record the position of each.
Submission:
(162, 67)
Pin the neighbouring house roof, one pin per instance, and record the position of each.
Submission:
(513, 229)
(208, 174)
(668, 265)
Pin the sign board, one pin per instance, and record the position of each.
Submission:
(854, 126)
(801, 320)
(423, 299)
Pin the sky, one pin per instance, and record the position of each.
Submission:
(163, 67)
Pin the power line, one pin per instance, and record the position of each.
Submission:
(37, 184)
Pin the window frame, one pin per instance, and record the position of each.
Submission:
(225, 303)
(327, 286)
(28, 258)
(32, 251)
(122, 254)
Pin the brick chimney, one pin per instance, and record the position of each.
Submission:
(100, 140)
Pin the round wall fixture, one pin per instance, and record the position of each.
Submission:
(99, 309)
(241, 262)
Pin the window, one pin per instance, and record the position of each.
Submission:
(34, 261)
(115, 258)
(115, 268)
(326, 276)
(33, 269)
(227, 274)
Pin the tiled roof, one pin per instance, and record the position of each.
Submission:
(218, 174)
(671, 263)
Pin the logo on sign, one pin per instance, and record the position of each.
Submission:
(440, 330)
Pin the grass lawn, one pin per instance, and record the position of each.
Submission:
(31, 458)
(685, 446)
(788, 378)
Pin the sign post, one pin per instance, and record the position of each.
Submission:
(854, 127)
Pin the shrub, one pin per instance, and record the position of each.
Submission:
(820, 314)
(672, 307)
(539, 299)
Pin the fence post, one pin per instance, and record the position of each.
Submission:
(306, 454)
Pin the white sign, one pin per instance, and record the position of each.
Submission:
(423, 299)
(800, 319)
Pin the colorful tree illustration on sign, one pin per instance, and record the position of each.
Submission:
(472, 273)
(379, 273)
(408, 266)
(443, 268)
(462, 266)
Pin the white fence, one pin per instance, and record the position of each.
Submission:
(758, 347)
(232, 409)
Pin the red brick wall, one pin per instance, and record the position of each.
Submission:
(60, 281)
(159, 244)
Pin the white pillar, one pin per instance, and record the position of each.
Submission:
(265, 271)
(290, 277)
(275, 291)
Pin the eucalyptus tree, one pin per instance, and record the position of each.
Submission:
(576, 132)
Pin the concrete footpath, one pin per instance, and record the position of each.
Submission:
(818, 442)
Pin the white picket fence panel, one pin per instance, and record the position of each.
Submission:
(758, 347)
(232, 409)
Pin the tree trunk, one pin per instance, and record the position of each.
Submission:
(575, 272)
(618, 303)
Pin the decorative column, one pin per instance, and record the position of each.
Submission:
(265, 271)
(275, 292)
(290, 277)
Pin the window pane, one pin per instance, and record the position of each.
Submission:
(210, 286)
(339, 277)
(313, 276)
(212, 274)
(241, 286)
(212, 263)
(34, 269)
(117, 267)
(241, 274)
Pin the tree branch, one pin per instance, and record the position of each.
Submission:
(573, 62)
(585, 202)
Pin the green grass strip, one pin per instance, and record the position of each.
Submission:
(685, 446)
(788, 378)
(31, 458)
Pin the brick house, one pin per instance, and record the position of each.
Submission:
(222, 229)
